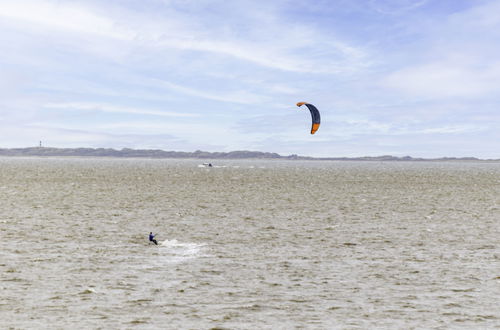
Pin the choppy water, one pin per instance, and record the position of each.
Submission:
(248, 244)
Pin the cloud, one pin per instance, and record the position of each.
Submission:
(227, 74)
(115, 109)
(62, 16)
(451, 129)
(168, 135)
(396, 7)
(241, 96)
(457, 57)
(278, 45)
(447, 79)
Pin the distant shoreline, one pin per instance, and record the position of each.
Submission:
(156, 153)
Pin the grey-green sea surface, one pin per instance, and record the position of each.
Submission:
(248, 244)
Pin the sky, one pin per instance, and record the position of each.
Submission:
(390, 77)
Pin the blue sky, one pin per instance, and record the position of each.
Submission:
(398, 77)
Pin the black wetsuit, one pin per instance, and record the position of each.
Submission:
(152, 238)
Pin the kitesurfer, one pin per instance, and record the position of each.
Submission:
(152, 238)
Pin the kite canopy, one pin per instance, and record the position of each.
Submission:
(316, 119)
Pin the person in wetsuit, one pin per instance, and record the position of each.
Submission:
(152, 238)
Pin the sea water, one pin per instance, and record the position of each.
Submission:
(248, 244)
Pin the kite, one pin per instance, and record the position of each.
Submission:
(316, 119)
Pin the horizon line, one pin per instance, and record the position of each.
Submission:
(144, 153)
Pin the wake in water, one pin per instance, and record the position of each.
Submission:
(178, 252)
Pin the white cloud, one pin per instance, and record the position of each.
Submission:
(457, 57)
(115, 109)
(71, 17)
(396, 7)
(272, 47)
(447, 79)
(401, 78)
(240, 96)
(451, 129)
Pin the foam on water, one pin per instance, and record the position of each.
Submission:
(177, 251)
